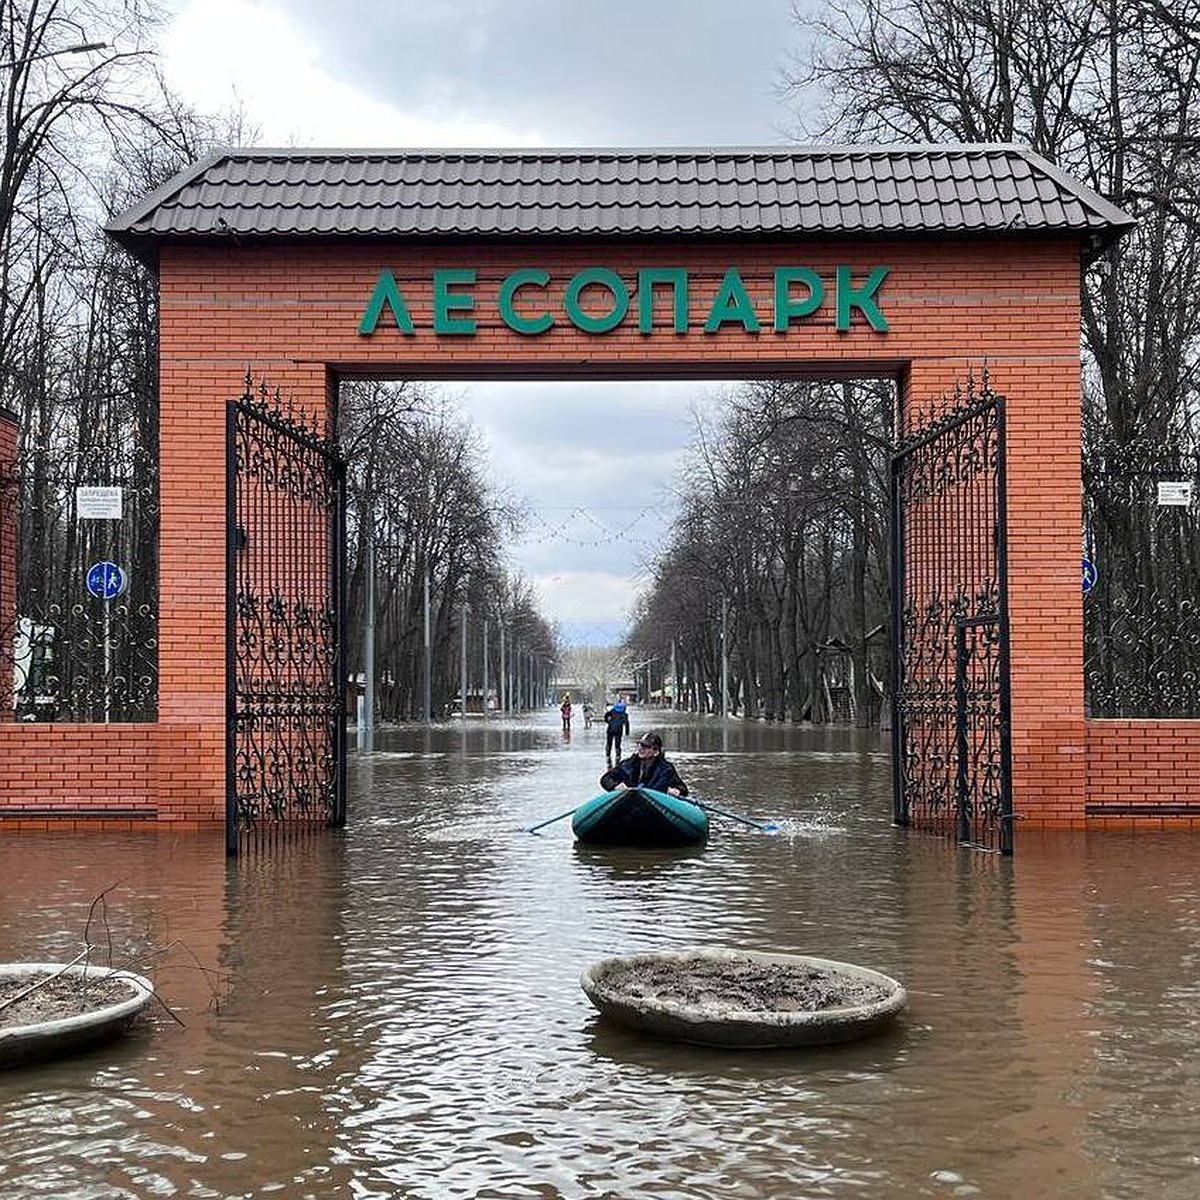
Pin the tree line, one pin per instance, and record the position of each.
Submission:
(1110, 92)
(431, 529)
(769, 597)
(780, 538)
(90, 128)
(87, 129)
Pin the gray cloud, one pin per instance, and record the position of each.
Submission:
(579, 72)
(596, 464)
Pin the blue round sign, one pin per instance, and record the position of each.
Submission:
(106, 581)
(1089, 575)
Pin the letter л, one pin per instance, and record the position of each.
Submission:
(386, 292)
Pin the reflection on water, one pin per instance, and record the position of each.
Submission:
(396, 1012)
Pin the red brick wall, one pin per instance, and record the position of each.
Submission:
(85, 768)
(290, 315)
(1143, 774)
(108, 775)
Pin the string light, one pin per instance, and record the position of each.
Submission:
(607, 536)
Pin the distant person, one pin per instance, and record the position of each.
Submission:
(617, 721)
(565, 710)
(588, 714)
(646, 767)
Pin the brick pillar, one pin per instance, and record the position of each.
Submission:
(196, 384)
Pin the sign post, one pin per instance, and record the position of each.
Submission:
(106, 581)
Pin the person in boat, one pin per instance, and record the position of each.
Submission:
(647, 767)
(617, 721)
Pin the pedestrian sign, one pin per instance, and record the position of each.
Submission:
(106, 581)
(1089, 575)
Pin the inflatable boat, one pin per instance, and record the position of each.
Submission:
(639, 817)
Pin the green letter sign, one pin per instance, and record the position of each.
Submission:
(732, 303)
(676, 278)
(508, 290)
(788, 310)
(601, 277)
(799, 294)
(386, 292)
(862, 298)
(444, 301)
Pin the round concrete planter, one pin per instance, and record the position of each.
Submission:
(49, 1039)
(716, 1010)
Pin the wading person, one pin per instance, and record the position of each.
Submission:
(647, 767)
(617, 721)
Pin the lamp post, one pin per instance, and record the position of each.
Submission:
(367, 724)
(638, 666)
(724, 656)
(485, 668)
(427, 706)
(462, 668)
(503, 682)
(81, 48)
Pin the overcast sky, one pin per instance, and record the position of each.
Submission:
(595, 463)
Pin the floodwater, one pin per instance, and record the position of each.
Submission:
(395, 1012)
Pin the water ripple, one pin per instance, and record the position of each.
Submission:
(396, 1011)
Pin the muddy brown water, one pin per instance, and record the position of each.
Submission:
(400, 1016)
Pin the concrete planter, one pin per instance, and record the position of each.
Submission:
(49, 1039)
(744, 999)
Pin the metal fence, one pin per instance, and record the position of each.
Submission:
(81, 615)
(1142, 585)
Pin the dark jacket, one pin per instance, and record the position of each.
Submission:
(617, 719)
(657, 773)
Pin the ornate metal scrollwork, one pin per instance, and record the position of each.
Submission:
(75, 657)
(951, 701)
(1141, 619)
(286, 704)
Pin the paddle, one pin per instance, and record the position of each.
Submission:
(551, 820)
(761, 826)
(548, 821)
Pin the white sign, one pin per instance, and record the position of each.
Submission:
(98, 503)
(1178, 492)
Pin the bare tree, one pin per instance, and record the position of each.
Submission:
(1111, 92)
(71, 76)
(418, 492)
(777, 561)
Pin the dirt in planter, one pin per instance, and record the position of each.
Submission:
(67, 996)
(743, 984)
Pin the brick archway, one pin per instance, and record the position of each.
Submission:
(917, 264)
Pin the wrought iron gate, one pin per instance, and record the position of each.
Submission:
(285, 614)
(952, 758)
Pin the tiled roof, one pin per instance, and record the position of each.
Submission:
(775, 191)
